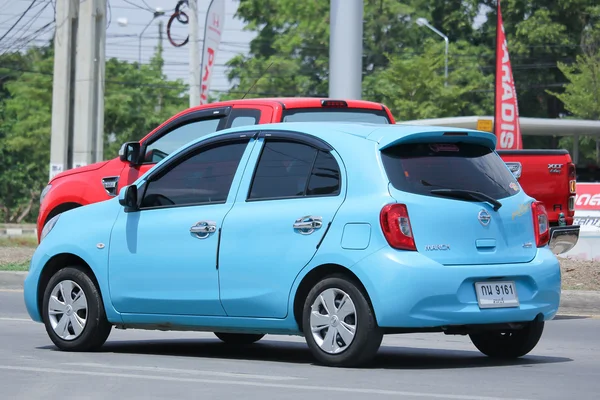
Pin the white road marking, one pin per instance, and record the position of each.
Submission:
(12, 290)
(186, 371)
(16, 319)
(247, 383)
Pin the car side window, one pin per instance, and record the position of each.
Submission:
(243, 117)
(291, 169)
(205, 177)
(325, 176)
(181, 135)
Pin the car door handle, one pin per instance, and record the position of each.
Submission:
(203, 229)
(308, 224)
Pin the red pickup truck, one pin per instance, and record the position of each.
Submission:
(546, 175)
(100, 181)
(550, 177)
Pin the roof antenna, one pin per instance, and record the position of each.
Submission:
(256, 81)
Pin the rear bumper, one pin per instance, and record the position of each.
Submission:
(409, 290)
(563, 238)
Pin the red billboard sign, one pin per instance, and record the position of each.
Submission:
(588, 196)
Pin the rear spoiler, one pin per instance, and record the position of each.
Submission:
(387, 137)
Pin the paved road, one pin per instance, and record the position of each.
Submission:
(160, 365)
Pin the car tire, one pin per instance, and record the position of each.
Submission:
(334, 345)
(86, 313)
(514, 344)
(239, 339)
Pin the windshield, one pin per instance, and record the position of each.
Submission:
(334, 114)
(421, 168)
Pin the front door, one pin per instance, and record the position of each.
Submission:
(267, 237)
(163, 257)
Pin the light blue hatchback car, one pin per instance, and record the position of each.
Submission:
(341, 232)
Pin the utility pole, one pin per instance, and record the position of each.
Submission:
(158, 107)
(88, 136)
(194, 55)
(345, 49)
(63, 86)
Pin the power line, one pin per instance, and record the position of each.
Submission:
(18, 20)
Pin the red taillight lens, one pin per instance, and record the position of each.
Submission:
(540, 223)
(396, 228)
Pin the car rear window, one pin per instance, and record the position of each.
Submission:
(329, 114)
(421, 167)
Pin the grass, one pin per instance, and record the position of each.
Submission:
(18, 241)
(22, 266)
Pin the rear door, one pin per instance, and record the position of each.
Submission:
(266, 238)
(461, 230)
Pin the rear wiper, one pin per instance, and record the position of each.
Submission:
(462, 193)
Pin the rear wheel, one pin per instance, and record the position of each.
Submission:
(239, 338)
(73, 311)
(510, 344)
(339, 323)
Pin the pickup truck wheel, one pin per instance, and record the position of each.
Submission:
(339, 323)
(73, 311)
(511, 344)
(239, 338)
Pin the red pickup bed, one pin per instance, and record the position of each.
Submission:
(548, 176)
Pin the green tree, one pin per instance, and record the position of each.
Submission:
(582, 99)
(415, 87)
(292, 42)
(25, 135)
(540, 34)
(137, 99)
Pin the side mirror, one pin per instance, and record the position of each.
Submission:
(128, 198)
(130, 152)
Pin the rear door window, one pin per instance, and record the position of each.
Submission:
(292, 170)
(421, 167)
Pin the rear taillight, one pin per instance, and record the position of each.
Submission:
(572, 178)
(396, 228)
(540, 223)
(571, 203)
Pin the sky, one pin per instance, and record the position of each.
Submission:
(123, 42)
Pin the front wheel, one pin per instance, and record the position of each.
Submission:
(511, 344)
(73, 311)
(339, 323)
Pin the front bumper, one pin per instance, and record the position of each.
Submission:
(409, 290)
(563, 238)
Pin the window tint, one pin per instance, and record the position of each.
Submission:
(283, 170)
(325, 177)
(243, 121)
(420, 168)
(244, 117)
(202, 178)
(319, 115)
(173, 140)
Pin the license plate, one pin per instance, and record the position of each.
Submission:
(496, 294)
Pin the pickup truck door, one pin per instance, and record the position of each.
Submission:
(189, 127)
